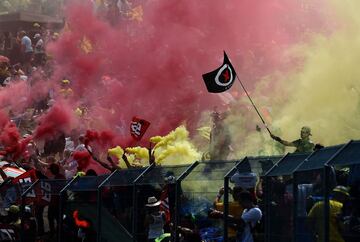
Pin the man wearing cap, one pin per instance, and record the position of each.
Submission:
(154, 220)
(316, 215)
(303, 145)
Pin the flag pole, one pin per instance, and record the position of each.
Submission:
(257, 111)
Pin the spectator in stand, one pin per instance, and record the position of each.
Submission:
(53, 210)
(69, 164)
(316, 215)
(220, 140)
(29, 225)
(154, 220)
(39, 50)
(81, 146)
(4, 72)
(235, 208)
(14, 216)
(251, 215)
(26, 51)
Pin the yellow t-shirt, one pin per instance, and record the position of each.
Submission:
(235, 210)
(317, 215)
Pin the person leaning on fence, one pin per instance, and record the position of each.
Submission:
(303, 145)
(154, 220)
(316, 215)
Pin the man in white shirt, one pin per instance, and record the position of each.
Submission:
(251, 216)
(26, 50)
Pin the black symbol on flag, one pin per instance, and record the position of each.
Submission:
(220, 79)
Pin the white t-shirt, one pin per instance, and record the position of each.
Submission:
(26, 41)
(250, 217)
(39, 47)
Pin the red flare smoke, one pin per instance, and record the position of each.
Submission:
(105, 139)
(80, 223)
(83, 159)
(59, 119)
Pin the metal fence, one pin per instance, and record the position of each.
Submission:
(295, 193)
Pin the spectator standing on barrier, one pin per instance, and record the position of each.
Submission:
(154, 220)
(303, 145)
(316, 215)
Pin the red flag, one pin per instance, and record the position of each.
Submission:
(27, 177)
(25, 180)
(164, 205)
(138, 128)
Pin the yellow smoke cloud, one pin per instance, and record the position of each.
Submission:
(325, 93)
(175, 148)
(322, 92)
(140, 152)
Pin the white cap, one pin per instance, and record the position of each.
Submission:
(244, 179)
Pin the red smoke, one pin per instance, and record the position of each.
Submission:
(153, 69)
(58, 119)
(11, 139)
(83, 159)
(104, 139)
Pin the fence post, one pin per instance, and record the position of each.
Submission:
(178, 194)
(60, 221)
(226, 207)
(296, 202)
(135, 212)
(326, 172)
(22, 207)
(99, 205)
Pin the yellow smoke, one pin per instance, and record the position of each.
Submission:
(175, 148)
(139, 155)
(205, 132)
(323, 92)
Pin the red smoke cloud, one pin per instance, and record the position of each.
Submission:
(153, 69)
(104, 139)
(59, 119)
(11, 139)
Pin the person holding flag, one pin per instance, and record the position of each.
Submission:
(303, 145)
(223, 78)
